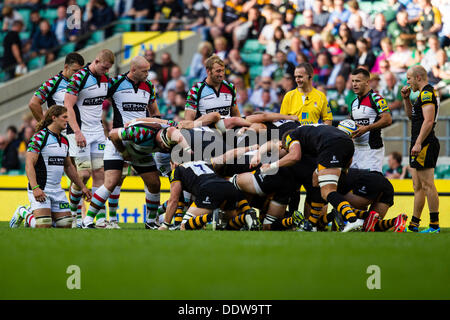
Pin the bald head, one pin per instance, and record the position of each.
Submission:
(139, 61)
(417, 77)
(418, 71)
(139, 67)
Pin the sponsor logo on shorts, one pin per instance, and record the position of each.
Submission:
(64, 205)
(134, 106)
(101, 146)
(94, 101)
(206, 201)
(334, 160)
(56, 161)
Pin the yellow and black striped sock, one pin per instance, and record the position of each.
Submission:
(361, 214)
(434, 220)
(316, 209)
(383, 225)
(282, 224)
(341, 205)
(179, 213)
(243, 206)
(236, 223)
(195, 223)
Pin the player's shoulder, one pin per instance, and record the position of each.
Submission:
(427, 94)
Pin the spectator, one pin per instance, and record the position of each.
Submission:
(320, 16)
(400, 59)
(35, 20)
(123, 9)
(351, 55)
(230, 17)
(220, 47)
(374, 81)
(283, 66)
(365, 55)
(141, 10)
(240, 84)
(195, 13)
(9, 16)
(444, 8)
(279, 42)
(358, 30)
(401, 28)
(336, 97)
(329, 42)
(340, 67)
(413, 9)
(441, 75)
(286, 84)
(57, 3)
(236, 66)
(28, 133)
(430, 58)
(353, 7)
(250, 29)
(430, 21)
(395, 169)
(338, 15)
(99, 15)
(308, 28)
(242, 100)
(13, 55)
(345, 36)
(59, 27)
(390, 89)
(266, 83)
(44, 42)
(168, 10)
(420, 48)
(267, 105)
(386, 53)
(197, 70)
(295, 49)
(164, 72)
(317, 46)
(170, 110)
(377, 33)
(322, 69)
(10, 160)
(268, 31)
(384, 66)
(268, 65)
(176, 74)
(149, 55)
(394, 6)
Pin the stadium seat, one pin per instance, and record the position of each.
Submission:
(252, 45)
(24, 35)
(2, 76)
(255, 71)
(298, 20)
(442, 170)
(82, 3)
(96, 37)
(49, 14)
(66, 49)
(122, 27)
(111, 3)
(252, 58)
(25, 13)
(36, 63)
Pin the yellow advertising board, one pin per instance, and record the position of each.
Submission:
(132, 198)
(135, 43)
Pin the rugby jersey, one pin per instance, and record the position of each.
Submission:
(365, 111)
(204, 99)
(52, 150)
(427, 96)
(129, 99)
(53, 90)
(91, 91)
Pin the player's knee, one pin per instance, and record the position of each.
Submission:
(97, 162)
(43, 222)
(64, 222)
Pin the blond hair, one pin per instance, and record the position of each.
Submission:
(106, 55)
(209, 63)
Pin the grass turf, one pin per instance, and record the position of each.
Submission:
(134, 263)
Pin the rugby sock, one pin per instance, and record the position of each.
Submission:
(361, 214)
(162, 208)
(113, 203)
(282, 224)
(316, 209)
(434, 220)
(341, 205)
(236, 223)
(243, 206)
(101, 214)
(179, 213)
(98, 201)
(414, 223)
(384, 225)
(79, 215)
(195, 223)
(28, 216)
(74, 200)
(152, 204)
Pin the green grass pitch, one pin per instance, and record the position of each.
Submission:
(134, 263)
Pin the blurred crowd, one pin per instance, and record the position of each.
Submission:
(336, 36)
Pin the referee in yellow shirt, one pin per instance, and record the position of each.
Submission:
(306, 102)
(310, 106)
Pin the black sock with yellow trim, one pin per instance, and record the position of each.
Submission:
(342, 205)
(197, 222)
(434, 220)
(383, 225)
(414, 223)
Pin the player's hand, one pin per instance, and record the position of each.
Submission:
(87, 194)
(163, 227)
(254, 162)
(39, 195)
(80, 139)
(242, 130)
(185, 124)
(406, 91)
(416, 150)
(360, 131)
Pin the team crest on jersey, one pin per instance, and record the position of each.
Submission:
(426, 96)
